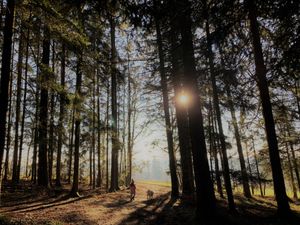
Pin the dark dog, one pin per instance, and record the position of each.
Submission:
(150, 194)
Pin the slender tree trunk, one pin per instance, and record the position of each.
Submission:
(43, 114)
(129, 112)
(71, 145)
(91, 164)
(27, 158)
(107, 135)
(99, 178)
(169, 133)
(5, 72)
(8, 139)
(215, 153)
(204, 187)
(297, 98)
(77, 108)
(61, 115)
(188, 188)
(51, 128)
(36, 124)
(15, 175)
(294, 160)
(122, 150)
(94, 130)
(114, 137)
(249, 168)
(245, 179)
(257, 169)
(216, 104)
(291, 172)
(24, 103)
(278, 179)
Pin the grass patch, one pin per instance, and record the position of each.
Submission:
(155, 182)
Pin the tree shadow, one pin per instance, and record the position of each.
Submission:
(117, 203)
(256, 211)
(155, 211)
(63, 200)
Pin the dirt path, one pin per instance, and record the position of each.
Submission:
(116, 209)
(104, 209)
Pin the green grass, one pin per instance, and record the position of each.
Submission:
(155, 182)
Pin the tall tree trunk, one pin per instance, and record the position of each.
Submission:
(129, 112)
(8, 139)
(91, 164)
(15, 175)
(260, 69)
(249, 167)
(51, 127)
(294, 160)
(71, 145)
(107, 135)
(291, 172)
(245, 179)
(61, 115)
(114, 111)
(204, 187)
(169, 133)
(94, 129)
(215, 152)
(43, 114)
(216, 104)
(257, 168)
(188, 188)
(27, 158)
(36, 123)
(77, 108)
(5, 72)
(99, 177)
(24, 103)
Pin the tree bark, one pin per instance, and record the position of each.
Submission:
(216, 104)
(5, 72)
(260, 69)
(114, 111)
(257, 169)
(107, 135)
(204, 188)
(245, 179)
(249, 168)
(51, 124)
(43, 113)
(169, 133)
(61, 115)
(77, 108)
(188, 187)
(294, 160)
(24, 103)
(8, 138)
(99, 178)
(15, 175)
(71, 145)
(291, 172)
(215, 152)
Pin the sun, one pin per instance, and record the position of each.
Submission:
(183, 98)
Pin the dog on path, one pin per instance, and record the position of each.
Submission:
(150, 194)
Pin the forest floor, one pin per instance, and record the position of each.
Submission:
(33, 207)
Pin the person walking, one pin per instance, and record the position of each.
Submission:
(132, 190)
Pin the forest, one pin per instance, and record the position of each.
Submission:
(92, 90)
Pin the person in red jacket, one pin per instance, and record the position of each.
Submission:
(132, 190)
